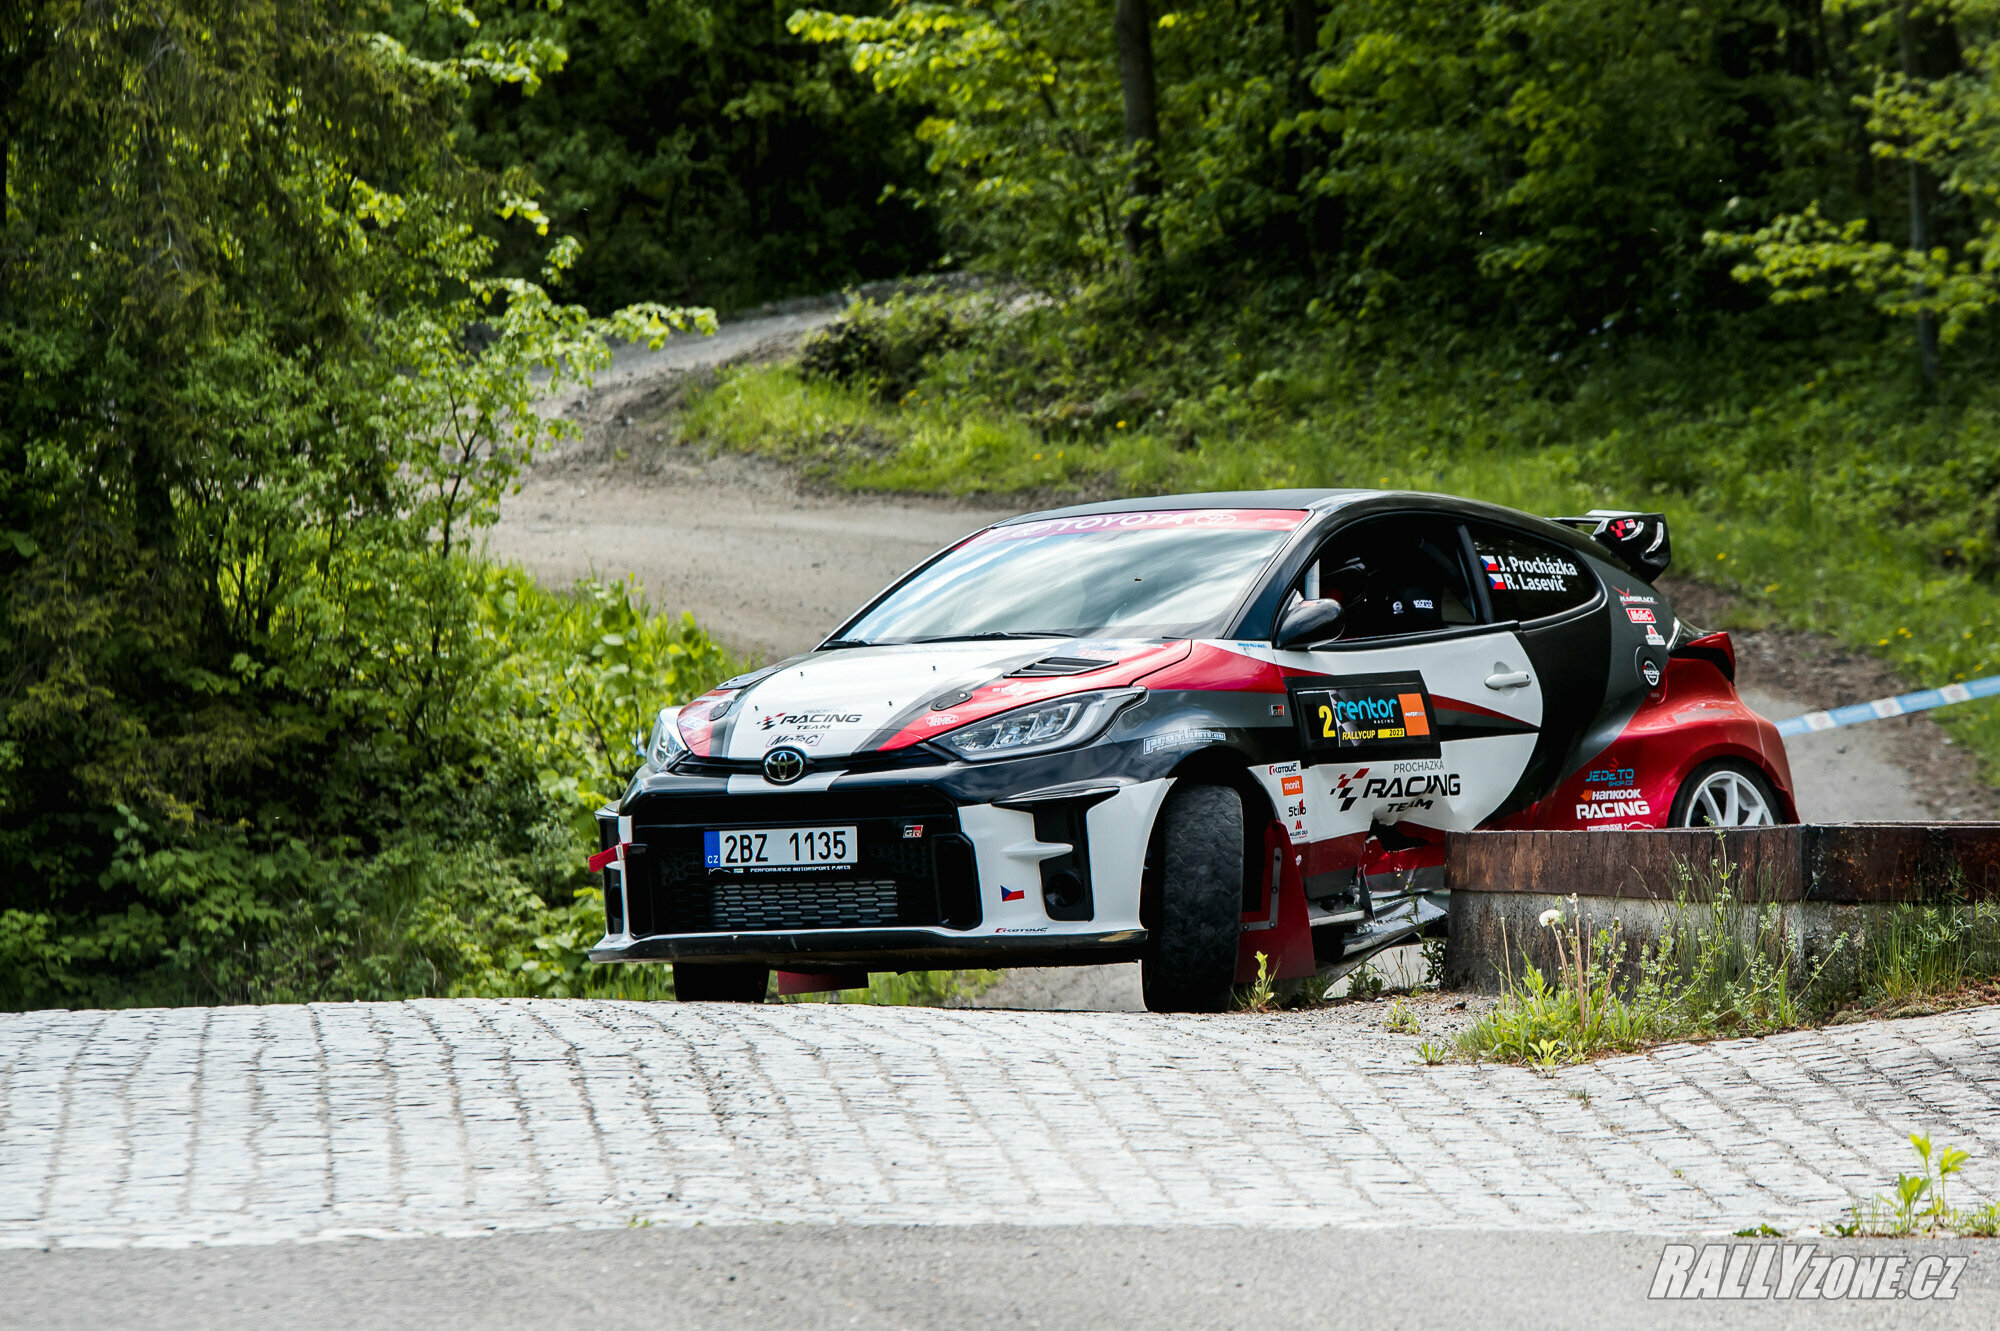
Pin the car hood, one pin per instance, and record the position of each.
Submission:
(863, 699)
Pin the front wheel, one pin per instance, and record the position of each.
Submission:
(1190, 959)
(720, 982)
(1725, 793)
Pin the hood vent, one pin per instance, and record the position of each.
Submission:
(1050, 666)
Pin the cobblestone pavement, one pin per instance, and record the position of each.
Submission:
(454, 1117)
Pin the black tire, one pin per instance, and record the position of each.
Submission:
(720, 982)
(1190, 959)
(1687, 813)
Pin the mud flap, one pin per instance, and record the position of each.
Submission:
(1280, 928)
(821, 982)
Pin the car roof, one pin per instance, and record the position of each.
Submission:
(1326, 501)
(1307, 499)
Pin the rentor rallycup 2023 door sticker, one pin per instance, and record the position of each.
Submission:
(1384, 716)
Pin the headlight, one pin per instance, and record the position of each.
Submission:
(1057, 724)
(665, 744)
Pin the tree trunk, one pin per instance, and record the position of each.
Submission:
(1132, 24)
(1929, 50)
(1302, 34)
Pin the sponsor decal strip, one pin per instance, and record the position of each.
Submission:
(1901, 705)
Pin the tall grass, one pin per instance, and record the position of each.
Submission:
(1919, 954)
(1722, 964)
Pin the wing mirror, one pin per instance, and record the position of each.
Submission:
(1309, 622)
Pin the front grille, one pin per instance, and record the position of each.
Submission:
(739, 903)
(897, 880)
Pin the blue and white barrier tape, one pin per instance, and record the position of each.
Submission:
(1920, 701)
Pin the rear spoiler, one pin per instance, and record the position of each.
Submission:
(1639, 541)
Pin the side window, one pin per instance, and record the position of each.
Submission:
(1394, 576)
(1527, 578)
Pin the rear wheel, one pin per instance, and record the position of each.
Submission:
(1190, 960)
(720, 982)
(1726, 793)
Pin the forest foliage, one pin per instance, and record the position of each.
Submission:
(699, 150)
(267, 730)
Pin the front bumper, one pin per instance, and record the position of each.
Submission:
(1037, 862)
(881, 949)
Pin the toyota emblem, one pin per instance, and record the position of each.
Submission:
(784, 765)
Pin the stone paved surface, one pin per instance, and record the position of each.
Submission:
(452, 1117)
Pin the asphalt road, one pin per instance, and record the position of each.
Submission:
(878, 1277)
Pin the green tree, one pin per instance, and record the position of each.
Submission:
(700, 151)
(1932, 108)
(245, 428)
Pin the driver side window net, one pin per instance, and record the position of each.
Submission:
(1394, 576)
(1528, 579)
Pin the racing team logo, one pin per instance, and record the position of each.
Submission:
(1415, 790)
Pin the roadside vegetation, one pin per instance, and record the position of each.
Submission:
(1733, 262)
(267, 731)
(1920, 1203)
(1831, 497)
(1724, 964)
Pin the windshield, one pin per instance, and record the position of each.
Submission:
(1126, 575)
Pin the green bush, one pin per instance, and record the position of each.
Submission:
(462, 876)
(883, 348)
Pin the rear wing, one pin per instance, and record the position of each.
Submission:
(1639, 541)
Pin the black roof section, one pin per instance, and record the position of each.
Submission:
(1214, 499)
(1362, 501)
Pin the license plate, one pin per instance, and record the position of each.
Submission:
(780, 847)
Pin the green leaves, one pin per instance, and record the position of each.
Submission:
(264, 733)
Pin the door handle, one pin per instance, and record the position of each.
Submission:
(1513, 679)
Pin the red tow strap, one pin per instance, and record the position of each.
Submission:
(604, 858)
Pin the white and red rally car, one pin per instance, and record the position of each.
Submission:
(1183, 730)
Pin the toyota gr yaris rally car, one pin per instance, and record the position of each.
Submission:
(1183, 730)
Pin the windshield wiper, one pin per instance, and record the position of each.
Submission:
(994, 637)
(843, 642)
